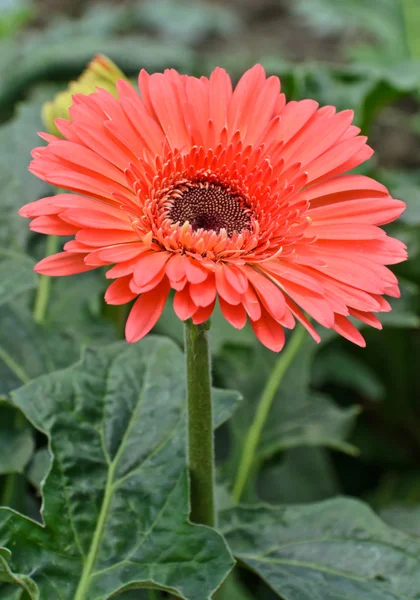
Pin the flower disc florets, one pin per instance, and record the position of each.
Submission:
(222, 194)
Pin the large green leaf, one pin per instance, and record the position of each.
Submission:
(46, 57)
(16, 275)
(116, 498)
(303, 475)
(14, 229)
(16, 439)
(333, 550)
(403, 516)
(76, 304)
(28, 350)
(382, 19)
(17, 138)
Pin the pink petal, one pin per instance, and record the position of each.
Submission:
(146, 311)
(119, 291)
(269, 332)
(184, 307)
(63, 263)
(149, 265)
(235, 315)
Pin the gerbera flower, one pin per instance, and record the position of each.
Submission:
(215, 193)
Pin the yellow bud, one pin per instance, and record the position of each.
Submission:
(100, 72)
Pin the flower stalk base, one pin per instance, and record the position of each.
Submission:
(200, 424)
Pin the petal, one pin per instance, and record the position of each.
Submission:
(105, 237)
(271, 297)
(175, 267)
(224, 288)
(314, 304)
(203, 293)
(234, 314)
(52, 225)
(120, 252)
(63, 263)
(203, 313)
(149, 265)
(366, 317)
(348, 330)
(251, 304)
(184, 307)
(146, 311)
(269, 332)
(97, 219)
(303, 320)
(237, 278)
(119, 291)
(194, 270)
(44, 206)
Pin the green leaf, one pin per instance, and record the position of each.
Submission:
(24, 582)
(28, 350)
(17, 138)
(75, 306)
(16, 275)
(39, 467)
(341, 368)
(403, 516)
(233, 589)
(116, 499)
(14, 230)
(333, 550)
(298, 417)
(180, 20)
(16, 439)
(303, 475)
(45, 56)
(382, 19)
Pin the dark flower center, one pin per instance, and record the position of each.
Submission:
(209, 206)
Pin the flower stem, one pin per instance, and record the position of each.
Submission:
(254, 433)
(44, 286)
(8, 490)
(200, 423)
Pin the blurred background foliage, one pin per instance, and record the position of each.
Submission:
(345, 420)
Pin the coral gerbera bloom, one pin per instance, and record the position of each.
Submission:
(224, 194)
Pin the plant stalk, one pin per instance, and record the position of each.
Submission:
(254, 433)
(200, 424)
(8, 490)
(44, 286)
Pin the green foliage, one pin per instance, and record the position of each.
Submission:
(16, 440)
(16, 275)
(14, 14)
(298, 417)
(116, 498)
(335, 549)
(382, 19)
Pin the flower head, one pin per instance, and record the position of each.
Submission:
(219, 193)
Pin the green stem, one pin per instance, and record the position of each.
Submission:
(44, 286)
(8, 490)
(254, 433)
(411, 12)
(200, 423)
